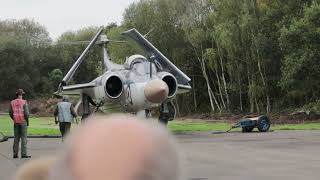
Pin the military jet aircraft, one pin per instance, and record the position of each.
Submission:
(141, 83)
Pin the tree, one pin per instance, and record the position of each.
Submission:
(20, 41)
(300, 43)
(17, 68)
(55, 77)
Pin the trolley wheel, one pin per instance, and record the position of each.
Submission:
(247, 129)
(263, 124)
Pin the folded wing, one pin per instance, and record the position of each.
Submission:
(166, 64)
(77, 89)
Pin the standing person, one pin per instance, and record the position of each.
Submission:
(65, 114)
(19, 113)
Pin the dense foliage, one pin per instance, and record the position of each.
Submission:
(242, 55)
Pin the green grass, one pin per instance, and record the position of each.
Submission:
(304, 126)
(38, 126)
(46, 126)
(181, 126)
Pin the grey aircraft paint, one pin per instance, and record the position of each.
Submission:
(125, 84)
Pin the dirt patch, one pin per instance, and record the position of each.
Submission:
(43, 107)
(299, 117)
(39, 107)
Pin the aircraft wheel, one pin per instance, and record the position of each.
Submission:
(247, 129)
(263, 124)
(163, 121)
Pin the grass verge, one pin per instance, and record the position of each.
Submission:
(46, 126)
(37, 126)
(181, 126)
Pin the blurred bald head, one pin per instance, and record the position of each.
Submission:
(36, 169)
(119, 147)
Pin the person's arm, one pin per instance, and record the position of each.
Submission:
(74, 114)
(26, 113)
(56, 112)
(11, 112)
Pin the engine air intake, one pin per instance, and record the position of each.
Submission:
(114, 87)
(172, 84)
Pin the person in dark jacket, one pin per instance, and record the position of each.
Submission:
(19, 113)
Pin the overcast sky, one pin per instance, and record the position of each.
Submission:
(59, 16)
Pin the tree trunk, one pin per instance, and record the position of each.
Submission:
(219, 87)
(262, 76)
(177, 107)
(240, 92)
(194, 94)
(257, 105)
(210, 93)
(224, 80)
(250, 94)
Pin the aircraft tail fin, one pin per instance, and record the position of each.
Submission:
(108, 64)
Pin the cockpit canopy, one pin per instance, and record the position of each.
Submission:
(134, 59)
(140, 65)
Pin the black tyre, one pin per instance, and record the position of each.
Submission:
(263, 124)
(163, 121)
(165, 117)
(247, 129)
(172, 111)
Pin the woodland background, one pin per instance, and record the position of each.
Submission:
(243, 56)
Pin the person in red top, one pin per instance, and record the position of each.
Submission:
(19, 113)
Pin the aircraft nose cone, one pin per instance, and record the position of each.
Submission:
(156, 91)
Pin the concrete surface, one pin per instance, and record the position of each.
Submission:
(276, 155)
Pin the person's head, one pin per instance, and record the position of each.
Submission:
(118, 147)
(65, 98)
(20, 93)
